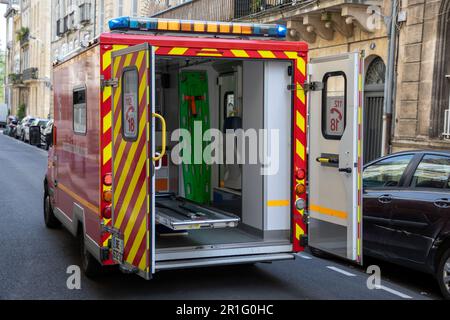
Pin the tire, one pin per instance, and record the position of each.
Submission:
(90, 266)
(443, 273)
(49, 217)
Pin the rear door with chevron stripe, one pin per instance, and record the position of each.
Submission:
(131, 143)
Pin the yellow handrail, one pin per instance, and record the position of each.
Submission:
(163, 135)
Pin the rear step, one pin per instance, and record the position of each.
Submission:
(180, 214)
(208, 262)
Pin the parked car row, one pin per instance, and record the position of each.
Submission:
(21, 129)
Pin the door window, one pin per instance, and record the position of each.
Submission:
(386, 173)
(433, 172)
(130, 104)
(334, 105)
(79, 110)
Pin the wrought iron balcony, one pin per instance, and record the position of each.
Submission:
(15, 78)
(30, 74)
(245, 8)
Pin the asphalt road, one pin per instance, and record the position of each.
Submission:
(34, 260)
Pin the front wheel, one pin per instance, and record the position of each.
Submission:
(49, 217)
(443, 274)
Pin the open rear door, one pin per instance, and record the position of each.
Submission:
(132, 214)
(335, 146)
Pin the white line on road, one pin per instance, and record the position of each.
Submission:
(397, 293)
(341, 271)
(304, 256)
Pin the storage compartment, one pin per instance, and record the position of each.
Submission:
(223, 202)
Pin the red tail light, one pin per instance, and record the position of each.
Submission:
(107, 212)
(107, 179)
(300, 174)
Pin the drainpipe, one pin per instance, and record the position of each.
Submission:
(389, 85)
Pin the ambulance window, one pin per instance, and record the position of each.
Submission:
(79, 110)
(334, 105)
(130, 104)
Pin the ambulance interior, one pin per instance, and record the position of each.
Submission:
(203, 207)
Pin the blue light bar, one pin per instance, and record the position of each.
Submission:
(198, 27)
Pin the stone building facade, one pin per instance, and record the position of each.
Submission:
(28, 82)
(415, 117)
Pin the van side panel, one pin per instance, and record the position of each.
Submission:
(78, 157)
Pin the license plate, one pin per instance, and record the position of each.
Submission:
(117, 248)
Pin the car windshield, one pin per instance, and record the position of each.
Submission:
(43, 123)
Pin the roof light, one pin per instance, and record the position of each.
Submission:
(195, 26)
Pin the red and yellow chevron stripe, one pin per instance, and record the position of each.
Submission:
(129, 167)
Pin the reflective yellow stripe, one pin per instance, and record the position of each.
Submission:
(130, 188)
(106, 93)
(298, 231)
(137, 241)
(134, 214)
(300, 149)
(266, 54)
(177, 51)
(107, 153)
(328, 211)
(300, 121)
(128, 60)
(300, 93)
(239, 53)
(107, 122)
(278, 203)
(139, 59)
(129, 159)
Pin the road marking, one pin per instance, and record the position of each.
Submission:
(304, 256)
(341, 271)
(397, 293)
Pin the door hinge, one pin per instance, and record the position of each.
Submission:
(307, 86)
(113, 82)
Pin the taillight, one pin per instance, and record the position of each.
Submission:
(107, 212)
(300, 174)
(107, 179)
(107, 195)
(300, 189)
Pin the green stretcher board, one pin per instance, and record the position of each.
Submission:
(194, 107)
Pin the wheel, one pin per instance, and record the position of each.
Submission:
(22, 137)
(443, 274)
(49, 217)
(91, 267)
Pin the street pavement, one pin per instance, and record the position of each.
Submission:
(34, 260)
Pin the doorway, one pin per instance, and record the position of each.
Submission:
(373, 108)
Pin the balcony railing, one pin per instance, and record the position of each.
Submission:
(15, 78)
(245, 8)
(30, 74)
(213, 10)
(446, 133)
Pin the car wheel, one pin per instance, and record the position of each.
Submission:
(49, 217)
(443, 274)
(91, 267)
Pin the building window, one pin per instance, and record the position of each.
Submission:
(79, 110)
(441, 79)
(134, 8)
(101, 15)
(334, 105)
(130, 104)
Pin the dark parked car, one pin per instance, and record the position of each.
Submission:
(407, 212)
